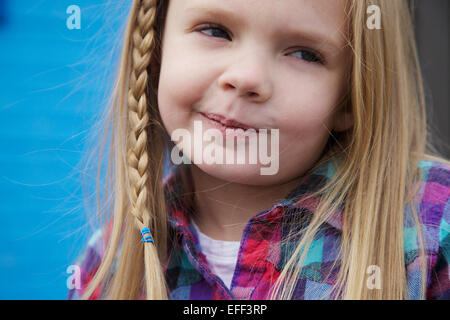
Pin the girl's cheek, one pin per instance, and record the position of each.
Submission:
(310, 108)
(184, 78)
(173, 93)
(305, 117)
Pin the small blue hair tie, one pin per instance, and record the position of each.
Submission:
(147, 238)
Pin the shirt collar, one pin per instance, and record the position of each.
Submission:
(179, 207)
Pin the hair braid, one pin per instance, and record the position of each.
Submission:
(143, 44)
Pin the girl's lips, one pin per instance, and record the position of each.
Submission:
(225, 130)
(227, 123)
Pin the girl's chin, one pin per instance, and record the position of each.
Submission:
(242, 174)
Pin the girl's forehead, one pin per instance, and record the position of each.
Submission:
(285, 11)
(321, 19)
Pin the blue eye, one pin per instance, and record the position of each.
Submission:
(217, 31)
(309, 56)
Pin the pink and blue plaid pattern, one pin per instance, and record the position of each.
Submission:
(262, 254)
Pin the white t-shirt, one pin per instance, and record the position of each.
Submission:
(221, 255)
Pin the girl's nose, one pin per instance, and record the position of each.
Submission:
(248, 78)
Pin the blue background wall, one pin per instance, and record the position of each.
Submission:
(54, 81)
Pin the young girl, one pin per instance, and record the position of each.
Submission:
(358, 208)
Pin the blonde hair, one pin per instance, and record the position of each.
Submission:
(378, 167)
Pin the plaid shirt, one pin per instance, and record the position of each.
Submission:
(262, 254)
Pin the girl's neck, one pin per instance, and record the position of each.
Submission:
(222, 208)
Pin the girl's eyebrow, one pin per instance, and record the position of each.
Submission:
(215, 13)
(310, 36)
